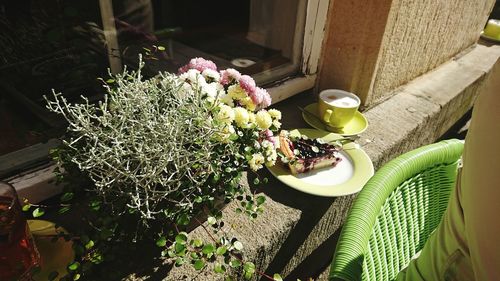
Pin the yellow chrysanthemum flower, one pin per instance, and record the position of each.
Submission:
(276, 114)
(263, 120)
(236, 92)
(241, 117)
(226, 114)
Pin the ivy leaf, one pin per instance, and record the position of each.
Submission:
(161, 242)
(221, 250)
(277, 277)
(199, 264)
(180, 249)
(63, 210)
(181, 238)
(179, 261)
(197, 243)
(219, 268)
(38, 212)
(261, 199)
(89, 245)
(235, 263)
(74, 266)
(249, 270)
(211, 220)
(67, 196)
(208, 249)
(183, 219)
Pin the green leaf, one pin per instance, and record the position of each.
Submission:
(179, 261)
(161, 242)
(63, 210)
(67, 196)
(74, 266)
(183, 219)
(277, 277)
(197, 243)
(238, 245)
(181, 238)
(161, 48)
(110, 81)
(26, 207)
(199, 264)
(89, 245)
(249, 266)
(221, 250)
(208, 249)
(261, 199)
(76, 276)
(219, 268)
(38, 212)
(249, 270)
(235, 263)
(211, 220)
(95, 205)
(180, 249)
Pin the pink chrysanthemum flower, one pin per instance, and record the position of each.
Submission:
(257, 96)
(228, 76)
(266, 98)
(199, 64)
(247, 83)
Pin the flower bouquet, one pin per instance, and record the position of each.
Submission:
(156, 153)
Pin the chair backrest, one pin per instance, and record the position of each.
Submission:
(395, 213)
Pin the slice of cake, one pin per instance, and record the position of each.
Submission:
(303, 154)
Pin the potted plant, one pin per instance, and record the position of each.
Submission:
(156, 154)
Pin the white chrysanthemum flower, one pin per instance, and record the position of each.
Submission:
(210, 90)
(241, 117)
(225, 114)
(256, 162)
(276, 114)
(263, 120)
(211, 75)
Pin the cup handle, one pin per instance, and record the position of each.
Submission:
(327, 115)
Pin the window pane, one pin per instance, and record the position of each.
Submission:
(65, 46)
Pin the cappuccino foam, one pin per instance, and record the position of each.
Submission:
(344, 101)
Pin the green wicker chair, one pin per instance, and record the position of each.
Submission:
(395, 213)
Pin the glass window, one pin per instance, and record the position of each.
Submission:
(67, 45)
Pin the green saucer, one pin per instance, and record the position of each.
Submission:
(355, 127)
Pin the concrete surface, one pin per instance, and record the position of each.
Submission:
(297, 233)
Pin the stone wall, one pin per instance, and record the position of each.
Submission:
(372, 49)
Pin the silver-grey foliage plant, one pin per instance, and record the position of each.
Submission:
(147, 141)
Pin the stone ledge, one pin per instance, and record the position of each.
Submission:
(296, 235)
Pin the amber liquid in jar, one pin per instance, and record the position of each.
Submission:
(18, 254)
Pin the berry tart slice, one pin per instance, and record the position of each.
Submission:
(303, 154)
